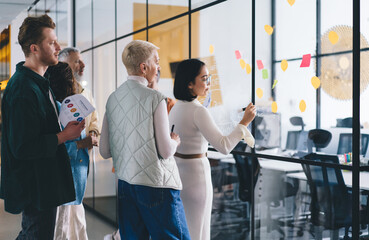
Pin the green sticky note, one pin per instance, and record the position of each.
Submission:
(265, 74)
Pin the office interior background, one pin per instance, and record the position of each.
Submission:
(246, 45)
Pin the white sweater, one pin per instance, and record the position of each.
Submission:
(195, 126)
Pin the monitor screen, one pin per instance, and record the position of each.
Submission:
(345, 143)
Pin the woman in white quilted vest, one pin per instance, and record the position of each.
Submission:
(196, 128)
(136, 135)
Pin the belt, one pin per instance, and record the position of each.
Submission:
(188, 156)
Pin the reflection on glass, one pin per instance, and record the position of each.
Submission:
(160, 10)
(200, 3)
(131, 16)
(226, 52)
(83, 24)
(101, 176)
(295, 29)
(62, 23)
(104, 21)
(172, 39)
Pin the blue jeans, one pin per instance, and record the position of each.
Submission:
(37, 225)
(147, 211)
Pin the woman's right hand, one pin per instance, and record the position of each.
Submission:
(175, 137)
(249, 114)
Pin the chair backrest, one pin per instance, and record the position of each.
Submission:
(318, 138)
(244, 171)
(330, 200)
(345, 143)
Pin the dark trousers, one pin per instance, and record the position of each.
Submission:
(37, 225)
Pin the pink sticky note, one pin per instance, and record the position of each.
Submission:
(305, 60)
(238, 54)
(260, 64)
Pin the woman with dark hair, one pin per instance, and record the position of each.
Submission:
(196, 128)
(70, 219)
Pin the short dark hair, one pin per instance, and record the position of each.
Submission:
(186, 72)
(30, 32)
(62, 81)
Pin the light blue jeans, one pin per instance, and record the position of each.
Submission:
(146, 212)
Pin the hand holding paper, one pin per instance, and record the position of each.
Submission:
(74, 108)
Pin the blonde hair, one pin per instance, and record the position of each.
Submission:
(135, 53)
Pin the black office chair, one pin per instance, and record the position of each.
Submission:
(245, 173)
(318, 138)
(331, 201)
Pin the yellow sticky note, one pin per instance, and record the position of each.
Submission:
(274, 83)
(333, 37)
(284, 65)
(211, 49)
(242, 63)
(302, 106)
(291, 2)
(315, 81)
(248, 68)
(268, 29)
(274, 107)
(259, 92)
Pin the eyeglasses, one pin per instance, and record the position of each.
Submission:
(207, 80)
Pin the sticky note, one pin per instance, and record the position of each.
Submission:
(242, 63)
(211, 49)
(274, 107)
(333, 37)
(305, 60)
(259, 92)
(284, 65)
(302, 106)
(248, 68)
(265, 74)
(260, 64)
(268, 29)
(291, 2)
(274, 83)
(238, 54)
(315, 81)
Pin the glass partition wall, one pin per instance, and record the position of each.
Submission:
(305, 68)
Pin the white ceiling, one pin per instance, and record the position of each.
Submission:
(9, 10)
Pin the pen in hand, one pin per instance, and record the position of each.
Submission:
(172, 128)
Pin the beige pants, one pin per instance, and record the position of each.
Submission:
(70, 223)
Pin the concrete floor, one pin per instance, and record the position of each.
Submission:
(10, 225)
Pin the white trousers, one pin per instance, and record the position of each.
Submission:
(70, 223)
(196, 195)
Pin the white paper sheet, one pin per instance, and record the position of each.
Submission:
(74, 108)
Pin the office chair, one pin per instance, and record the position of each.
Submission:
(318, 138)
(273, 197)
(331, 201)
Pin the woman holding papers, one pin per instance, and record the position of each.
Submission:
(70, 221)
(195, 126)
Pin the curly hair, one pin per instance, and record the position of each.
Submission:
(62, 81)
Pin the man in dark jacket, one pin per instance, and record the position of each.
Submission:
(36, 175)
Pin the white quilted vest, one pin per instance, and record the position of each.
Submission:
(129, 111)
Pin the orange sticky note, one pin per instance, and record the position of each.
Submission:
(238, 54)
(305, 60)
(260, 64)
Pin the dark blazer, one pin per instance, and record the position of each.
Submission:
(35, 170)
